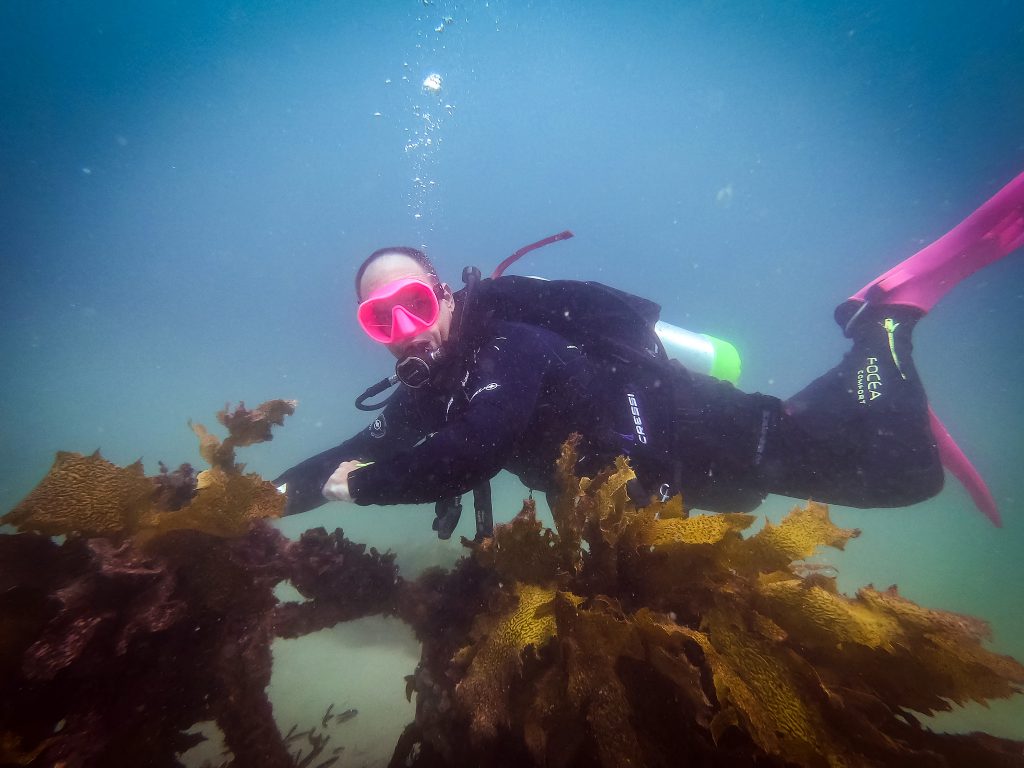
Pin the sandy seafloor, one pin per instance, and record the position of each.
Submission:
(186, 189)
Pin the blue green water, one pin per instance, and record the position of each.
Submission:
(186, 189)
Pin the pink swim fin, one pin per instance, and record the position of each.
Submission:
(960, 466)
(993, 231)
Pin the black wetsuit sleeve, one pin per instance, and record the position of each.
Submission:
(397, 427)
(502, 392)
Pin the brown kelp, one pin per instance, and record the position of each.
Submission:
(86, 496)
(157, 610)
(624, 636)
(643, 636)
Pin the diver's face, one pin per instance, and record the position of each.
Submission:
(392, 267)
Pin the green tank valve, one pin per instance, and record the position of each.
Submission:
(726, 364)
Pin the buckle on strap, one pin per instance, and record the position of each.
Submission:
(664, 492)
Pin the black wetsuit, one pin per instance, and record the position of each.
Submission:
(857, 436)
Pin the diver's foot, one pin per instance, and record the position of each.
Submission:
(859, 317)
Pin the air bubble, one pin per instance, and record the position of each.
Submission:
(432, 82)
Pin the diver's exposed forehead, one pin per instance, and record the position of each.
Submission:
(387, 269)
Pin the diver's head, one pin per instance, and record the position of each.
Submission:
(403, 304)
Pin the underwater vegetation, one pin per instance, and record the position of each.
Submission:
(157, 610)
(625, 636)
(643, 637)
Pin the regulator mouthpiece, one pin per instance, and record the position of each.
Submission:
(417, 368)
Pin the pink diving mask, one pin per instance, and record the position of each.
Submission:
(400, 310)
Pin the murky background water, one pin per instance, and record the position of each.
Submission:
(186, 189)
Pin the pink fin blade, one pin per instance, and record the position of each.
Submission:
(957, 463)
(993, 231)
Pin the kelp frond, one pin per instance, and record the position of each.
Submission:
(89, 496)
(643, 636)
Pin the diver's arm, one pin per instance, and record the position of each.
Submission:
(503, 389)
(398, 427)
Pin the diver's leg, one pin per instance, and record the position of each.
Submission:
(860, 435)
(994, 230)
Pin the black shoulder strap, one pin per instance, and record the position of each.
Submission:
(596, 317)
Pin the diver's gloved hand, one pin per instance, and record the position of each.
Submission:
(336, 487)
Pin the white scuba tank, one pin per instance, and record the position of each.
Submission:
(700, 352)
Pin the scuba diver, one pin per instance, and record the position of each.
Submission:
(500, 373)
